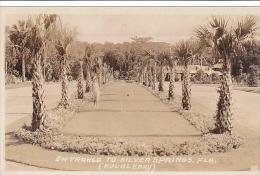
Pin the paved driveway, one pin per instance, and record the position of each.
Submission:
(129, 110)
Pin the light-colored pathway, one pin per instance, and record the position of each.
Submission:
(129, 110)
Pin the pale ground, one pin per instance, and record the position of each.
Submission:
(246, 124)
(18, 102)
(129, 110)
(245, 107)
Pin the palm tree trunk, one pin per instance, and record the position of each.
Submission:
(99, 74)
(38, 95)
(224, 113)
(137, 76)
(160, 87)
(146, 77)
(154, 77)
(150, 77)
(64, 102)
(44, 71)
(23, 69)
(186, 89)
(6, 67)
(80, 83)
(171, 85)
(88, 82)
(141, 76)
(104, 73)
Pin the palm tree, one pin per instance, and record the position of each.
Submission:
(227, 44)
(184, 53)
(172, 75)
(36, 40)
(161, 79)
(148, 61)
(152, 61)
(162, 60)
(99, 69)
(154, 76)
(150, 76)
(63, 39)
(89, 64)
(80, 82)
(18, 37)
(88, 81)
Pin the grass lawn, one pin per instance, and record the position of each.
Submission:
(18, 85)
(248, 89)
(24, 84)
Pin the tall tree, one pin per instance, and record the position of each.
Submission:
(162, 61)
(18, 34)
(40, 29)
(88, 65)
(227, 43)
(154, 76)
(172, 80)
(183, 52)
(64, 38)
(80, 82)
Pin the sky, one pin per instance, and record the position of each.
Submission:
(108, 24)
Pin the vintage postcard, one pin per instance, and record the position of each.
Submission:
(130, 89)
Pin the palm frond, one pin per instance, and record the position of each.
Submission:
(182, 49)
(245, 27)
(218, 22)
(225, 44)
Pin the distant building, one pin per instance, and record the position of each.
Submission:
(193, 69)
(217, 67)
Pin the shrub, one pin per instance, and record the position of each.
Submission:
(215, 78)
(70, 78)
(201, 77)
(253, 78)
(11, 79)
(176, 78)
(167, 77)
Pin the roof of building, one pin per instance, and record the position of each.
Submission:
(195, 68)
(217, 66)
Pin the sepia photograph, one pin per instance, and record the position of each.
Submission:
(131, 89)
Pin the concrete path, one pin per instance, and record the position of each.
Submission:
(129, 110)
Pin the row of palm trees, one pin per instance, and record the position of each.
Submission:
(95, 67)
(227, 42)
(35, 38)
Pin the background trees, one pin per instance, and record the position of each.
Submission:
(41, 48)
(18, 34)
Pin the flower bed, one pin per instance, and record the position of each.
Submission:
(123, 147)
